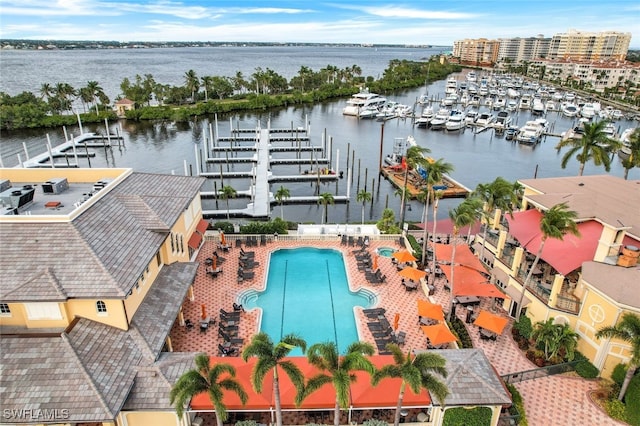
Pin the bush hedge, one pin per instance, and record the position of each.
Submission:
(632, 401)
(584, 368)
(458, 328)
(518, 404)
(459, 416)
(619, 371)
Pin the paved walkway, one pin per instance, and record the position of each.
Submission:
(548, 401)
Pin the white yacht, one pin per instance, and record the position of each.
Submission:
(425, 117)
(525, 102)
(588, 111)
(503, 120)
(451, 86)
(538, 107)
(440, 119)
(472, 77)
(471, 117)
(531, 133)
(485, 119)
(550, 105)
(455, 120)
(512, 105)
(363, 100)
(569, 110)
(499, 103)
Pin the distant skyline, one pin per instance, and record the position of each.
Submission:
(366, 22)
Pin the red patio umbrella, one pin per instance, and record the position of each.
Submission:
(491, 322)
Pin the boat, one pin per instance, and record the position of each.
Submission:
(511, 133)
(531, 133)
(471, 77)
(513, 93)
(625, 151)
(471, 117)
(485, 119)
(610, 130)
(425, 117)
(451, 86)
(439, 120)
(525, 102)
(569, 110)
(455, 121)
(512, 105)
(503, 121)
(363, 100)
(368, 112)
(538, 107)
(550, 105)
(588, 111)
(475, 100)
(499, 104)
(450, 100)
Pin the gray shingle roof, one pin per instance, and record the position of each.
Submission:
(156, 315)
(472, 380)
(103, 251)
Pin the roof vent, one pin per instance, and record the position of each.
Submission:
(581, 184)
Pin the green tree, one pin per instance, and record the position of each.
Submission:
(633, 160)
(325, 199)
(594, 145)
(338, 370)
(463, 215)
(282, 194)
(387, 221)
(556, 222)
(206, 378)
(499, 194)
(363, 197)
(416, 371)
(227, 192)
(555, 338)
(192, 83)
(414, 158)
(435, 173)
(627, 330)
(271, 358)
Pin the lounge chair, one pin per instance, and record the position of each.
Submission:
(247, 253)
(214, 272)
(229, 315)
(382, 334)
(374, 310)
(227, 338)
(263, 240)
(400, 338)
(239, 243)
(343, 240)
(245, 275)
(351, 241)
(222, 351)
(237, 308)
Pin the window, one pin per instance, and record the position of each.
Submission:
(158, 259)
(101, 307)
(4, 309)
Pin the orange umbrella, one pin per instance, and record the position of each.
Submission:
(204, 311)
(403, 256)
(430, 310)
(396, 321)
(215, 262)
(412, 273)
(375, 262)
(223, 241)
(491, 322)
(438, 334)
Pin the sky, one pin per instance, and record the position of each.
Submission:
(422, 22)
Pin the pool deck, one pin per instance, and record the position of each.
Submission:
(541, 402)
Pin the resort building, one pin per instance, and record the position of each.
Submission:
(582, 45)
(523, 49)
(99, 268)
(480, 52)
(588, 281)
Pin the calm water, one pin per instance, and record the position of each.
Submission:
(165, 147)
(308, 294)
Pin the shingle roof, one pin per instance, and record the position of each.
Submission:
(156, 315)
(472, 380)
(103, 251)
(620, 284)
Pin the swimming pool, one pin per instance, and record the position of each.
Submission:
(307, 293)
(386, 251)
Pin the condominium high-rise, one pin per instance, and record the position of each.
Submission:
(581, 45)
(523, 49)
(479, 52)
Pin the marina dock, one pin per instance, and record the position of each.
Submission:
(449, 187)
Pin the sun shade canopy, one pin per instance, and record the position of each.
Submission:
(430, 310)
(564, 255)
(491, 322)
(438, 334)
(445, 226)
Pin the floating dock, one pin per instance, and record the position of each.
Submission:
(416, 184)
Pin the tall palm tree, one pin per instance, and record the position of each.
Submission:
(628, 330)
(594, 145)
(227, 192)
(282, 194)
(192, 83)
(415, 371)
(207, 82)
(556, 222)
(46, 91)
(435, 173)
(325, 199)
(363, 197)
(498, 194)
(436, 200)
(338, 370)
(463, 215)
(413, 158)
(271, 357)
(634, 153)
(207, 378)
(95, 90)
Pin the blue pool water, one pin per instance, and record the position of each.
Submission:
(307, 293)
(386, 251)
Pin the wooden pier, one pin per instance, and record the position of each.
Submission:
(416, 184)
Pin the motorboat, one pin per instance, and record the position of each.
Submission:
(588, 111)
(440, 119)
(425, 117)
(550, 105)
(569, 110)
(513, 93)
(450, 100)
(531, 133)
(471, 117)
(363, 100)
(512, 105)
(538, 107)
(610, 130)
(503, 121)
(485, 119)
(471, 77)
(451, 86)
(475, 100)
(511, 133)
(525, 102)
(625, 151)
(368, 112)
(455, 121)
(499, 104)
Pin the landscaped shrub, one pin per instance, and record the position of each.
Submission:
(524, 327)
(272, 227)
(226, 227)
(619, 371)
(516, 398)
(584, 367)
(374, 422)
(459, 416)
(616, 410)
(247, 423)
(632, 401)
(458, 328)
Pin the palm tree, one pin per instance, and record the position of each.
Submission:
(338, 370)
(207, 82)
(415, 371)
(435, 174)
(594, 145)
(498, 194)
(463, 215)
(206, 378)
(556, 222)
(282, 194)
(565, 341)
(413, 158)
(628, 330)
(436, 200)
(271, 357)
(227, 192)
(95, 90)
(634, 153)
(325, 199)
(192, 83)
(363, 197)
(544, 334)
(46, 91)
